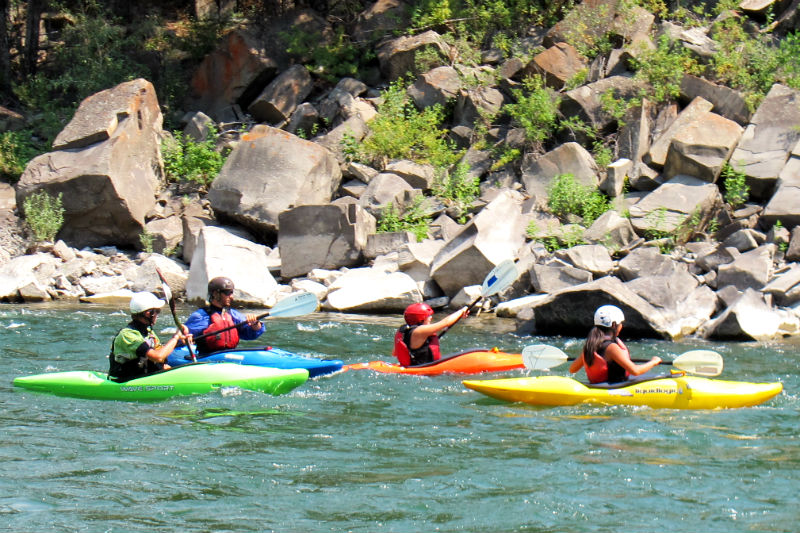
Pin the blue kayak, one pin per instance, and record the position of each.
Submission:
(266, 356)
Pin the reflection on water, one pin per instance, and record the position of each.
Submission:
(360, 451)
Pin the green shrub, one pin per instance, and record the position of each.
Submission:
(186, 159)
(16, 150)
(399, 131)
(44, 214)
(568, 197)
(535, 110)
(735, 182)
(146, 239)
(458, 189)
(414, 220)
(332, 58)
(663, 68)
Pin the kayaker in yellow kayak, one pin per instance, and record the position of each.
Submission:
(136, 350)
(609, 360)
(417, 342)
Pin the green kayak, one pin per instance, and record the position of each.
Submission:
(189, 379)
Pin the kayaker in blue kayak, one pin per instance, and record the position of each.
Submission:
(218, 316)
(136, 350)
(417, 342)
(609, 360)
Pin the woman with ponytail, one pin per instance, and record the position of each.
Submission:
(605, 356)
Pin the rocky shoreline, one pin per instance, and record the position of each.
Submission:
(289, 214)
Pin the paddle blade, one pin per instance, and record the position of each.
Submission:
(542, 357)
(700, 362)
(298, 304)
(499, 278)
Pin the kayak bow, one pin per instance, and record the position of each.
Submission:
(469, 362)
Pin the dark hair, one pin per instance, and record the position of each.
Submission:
(596, 337)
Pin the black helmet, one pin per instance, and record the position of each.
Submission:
(220, 284)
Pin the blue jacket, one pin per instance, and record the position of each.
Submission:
(199, 321)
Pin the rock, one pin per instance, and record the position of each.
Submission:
(419, 176)
(167, 233)
(197, 125)
(697, 109)
(768, 140)
(748, 318)
(512, 308)
(568, 158)
(616, 176)
(102, 284)
(384, 189)
(550, 279)
(750, 270)
(145, 278)
(612, 230)
(366, 290)
(591, 257)
(306, 285)
(281, 97)
(783, 206)
(557, 65)
(586, 101)
(793, 252)
(475, 104)
(493, 235)
(437, 86)
(645, 262)
(107, 165)
(120, 298)
(270, 171)
(220, 253)
(303, 120)
(727, 102)
(744, 240)
(675, 205)
(322, 236)
(702, 147)
(22, 272)
(397, 57)
(384, 243)
(354, 127)
(379, 19)
(785, 287)
(719, 255)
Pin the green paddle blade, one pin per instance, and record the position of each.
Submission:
(700, 362)
(298, 304)
(542, 357)
(499, 278)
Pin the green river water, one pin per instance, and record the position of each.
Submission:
(360, 451)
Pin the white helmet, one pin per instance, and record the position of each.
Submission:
(142, 301)
(607, 315)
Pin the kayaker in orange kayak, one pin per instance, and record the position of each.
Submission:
(417, 342)
(609, 360)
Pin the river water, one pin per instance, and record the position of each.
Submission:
(360, 451)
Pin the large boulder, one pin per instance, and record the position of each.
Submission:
(768, 140)
(220, 253)
(702, 148)
(557, 65)
(397, 57)
(727, 102)
(322, 236)
(270, 171)
(372, 290)
(752, 269)
(280, 98)
(568, 158)
(748, 318)
(107, 166)
(437, 86)
(586, 101)
(493, 235)
(697, 109)
(784, 206)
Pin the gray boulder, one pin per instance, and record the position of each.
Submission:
(280, 98)
(748, 318)
(697, 109)
(269, 172)
(437, 86)
(107, 165)
(322, 236)
(702, 147)
(369, 290)
(397, 57)
(553, 278)
(648, 261)
(568, 158)
(727, 102)
(752, 269)
(784, 206)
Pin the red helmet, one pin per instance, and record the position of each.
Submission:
(417, 313)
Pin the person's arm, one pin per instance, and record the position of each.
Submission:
(250, 328)
(426, 330)
(197, 322)
(576, 365)
(160, 354)
(615, 353)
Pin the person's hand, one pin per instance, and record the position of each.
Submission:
(252, 321)
(657, 359)
(465, 312)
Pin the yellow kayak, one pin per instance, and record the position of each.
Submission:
(665, 392)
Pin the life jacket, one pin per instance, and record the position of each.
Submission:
(604, 371)
(225, 340)
(136, 367)
(427, 353)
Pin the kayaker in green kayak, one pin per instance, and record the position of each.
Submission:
(219, 316)
(136, 350)
(609, 360)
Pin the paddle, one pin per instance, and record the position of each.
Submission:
(496, 281)
(171, 301)
(298, 304)
(700, 362)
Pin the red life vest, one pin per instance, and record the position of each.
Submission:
(427, 353)
(225, 340)
(603, 370)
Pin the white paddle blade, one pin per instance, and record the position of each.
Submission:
(298, 304)
(500, 278)
(700, 362)
(167, 291)
(542, 357)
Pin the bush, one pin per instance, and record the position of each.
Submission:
(16, 150)
(399, 131)
(663, 68)
(414, 220)
(568, 197)
(458, 189)
(44, 214)
(185, 159)
(536, 109)
(735, 182)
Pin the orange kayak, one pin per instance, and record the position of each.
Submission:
(469, 362)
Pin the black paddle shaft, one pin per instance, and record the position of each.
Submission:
(223, 330)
